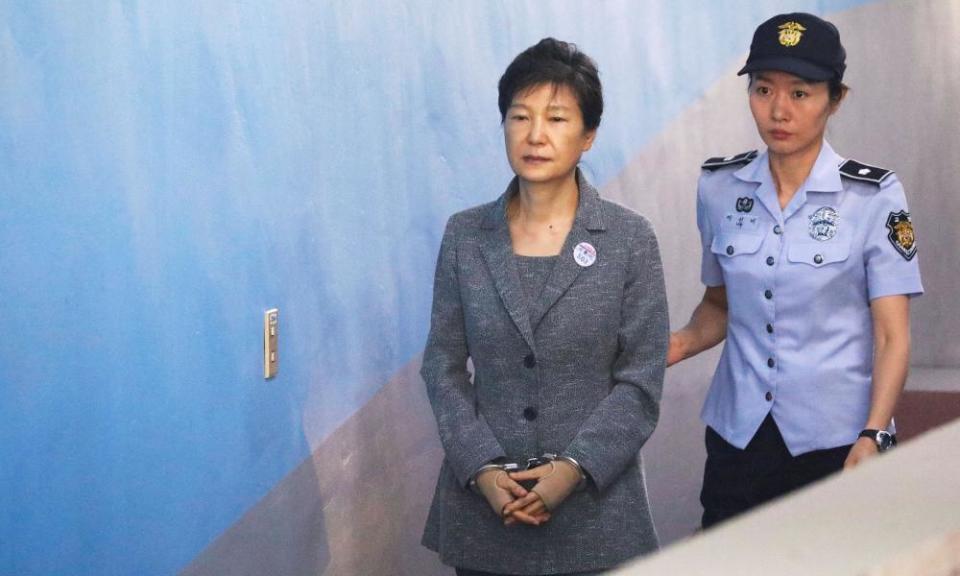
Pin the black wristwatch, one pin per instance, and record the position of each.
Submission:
(883, 439)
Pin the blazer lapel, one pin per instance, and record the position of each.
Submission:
(565, 271)
(497, 250)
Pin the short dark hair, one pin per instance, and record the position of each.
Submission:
(835, 86)
(837, 89)
(559, 63)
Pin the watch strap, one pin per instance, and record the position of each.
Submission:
(874, 435)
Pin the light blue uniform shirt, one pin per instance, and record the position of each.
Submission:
(799, 282)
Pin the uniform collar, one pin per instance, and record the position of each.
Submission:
(824, 177)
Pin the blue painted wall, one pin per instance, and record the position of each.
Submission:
(170, 170)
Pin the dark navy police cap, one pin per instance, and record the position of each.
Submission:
(800, 44)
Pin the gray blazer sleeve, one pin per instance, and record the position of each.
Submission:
(609, 440)
(467, 440)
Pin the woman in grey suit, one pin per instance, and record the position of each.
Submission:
(557, 298)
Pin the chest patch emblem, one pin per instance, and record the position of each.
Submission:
(744, 204)
(901, 234)
(823, 223)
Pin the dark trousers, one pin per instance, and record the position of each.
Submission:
(735, 480)
(466, 572)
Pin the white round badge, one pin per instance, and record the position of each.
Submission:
(823, 223)
(585, 254)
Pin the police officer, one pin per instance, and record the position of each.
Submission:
(809, 262)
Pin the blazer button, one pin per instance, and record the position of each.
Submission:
(777, 230)
(770, 261)
(770, 363)
(769, 397)
(768, 294)
(529, 360)
(769, 328)
(729, 250)
(530, 413)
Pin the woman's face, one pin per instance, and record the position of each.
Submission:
(791, 113)
(544, 134)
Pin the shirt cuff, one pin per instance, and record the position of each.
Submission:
(909, 285)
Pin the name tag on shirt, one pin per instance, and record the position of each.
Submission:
(740, 222)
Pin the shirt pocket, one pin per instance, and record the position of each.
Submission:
(818, 254)
(733, 245)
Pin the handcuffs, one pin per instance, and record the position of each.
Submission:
(546, 458)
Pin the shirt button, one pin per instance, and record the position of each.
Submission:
(818, 259)
(729, 250)
(769, 328)
(770, 260)
(770, 363)
(777, 229)
(768, 294)
(769, 396)
(530, 413)
(530, 361)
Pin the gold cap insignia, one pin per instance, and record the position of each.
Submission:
(790, 33)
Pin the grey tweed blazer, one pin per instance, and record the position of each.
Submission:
(579, 373)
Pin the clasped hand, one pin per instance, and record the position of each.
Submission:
(556, 480)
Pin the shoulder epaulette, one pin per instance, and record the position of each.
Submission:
(860, 171)
(722, 161)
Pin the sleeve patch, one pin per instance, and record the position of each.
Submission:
(901, 234)
(736, 160)
(860, 171)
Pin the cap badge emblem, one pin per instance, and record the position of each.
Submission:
(790, 33)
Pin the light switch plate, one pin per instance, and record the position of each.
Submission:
(271, 330)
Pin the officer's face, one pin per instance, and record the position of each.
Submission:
(544, 134)
(791, 113)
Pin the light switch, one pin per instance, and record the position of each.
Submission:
(271, 326)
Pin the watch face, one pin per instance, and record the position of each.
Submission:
(884, 441)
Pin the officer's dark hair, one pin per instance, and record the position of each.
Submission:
(557, 63)
(836, 89)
